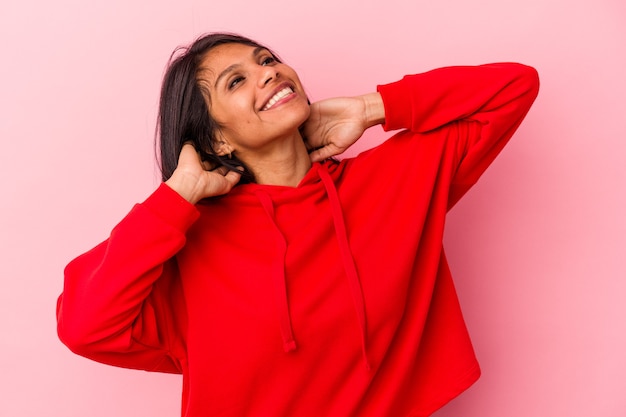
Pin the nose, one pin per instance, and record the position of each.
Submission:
(267, 74)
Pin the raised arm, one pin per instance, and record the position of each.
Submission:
(490, 101)
(118, 298)
(495, 95)
(121, 302)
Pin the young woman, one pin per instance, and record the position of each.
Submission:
(280, 282)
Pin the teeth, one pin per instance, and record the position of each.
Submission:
(282, 93)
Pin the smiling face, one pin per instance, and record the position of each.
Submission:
(258, 102)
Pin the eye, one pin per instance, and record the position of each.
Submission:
(268, 60)
(234, 82)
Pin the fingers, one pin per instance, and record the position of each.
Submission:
(195, 179)
(232, 178)
(325, 152)
(207, 166)
(225, 183)
(187, 151)
(220, 169)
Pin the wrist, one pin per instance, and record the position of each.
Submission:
(374, 109)
(185, 185)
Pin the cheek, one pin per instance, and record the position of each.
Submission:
(232, 113)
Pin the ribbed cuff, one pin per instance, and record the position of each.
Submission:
(169, 206)
(397, 102)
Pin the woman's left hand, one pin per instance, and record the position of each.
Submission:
(336, 123)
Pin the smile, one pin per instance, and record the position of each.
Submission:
(277, 97)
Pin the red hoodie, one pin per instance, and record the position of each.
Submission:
(332, 298)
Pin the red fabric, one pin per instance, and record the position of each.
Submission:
(332, 298)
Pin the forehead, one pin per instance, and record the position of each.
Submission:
(225, 56)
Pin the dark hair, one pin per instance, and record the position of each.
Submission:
(183, 112)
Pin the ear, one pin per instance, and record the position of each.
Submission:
(222, 146)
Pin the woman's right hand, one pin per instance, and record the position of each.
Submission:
(194, 179)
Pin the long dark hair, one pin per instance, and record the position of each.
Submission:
(183, 112)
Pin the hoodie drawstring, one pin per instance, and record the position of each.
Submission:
(280, 282)
(346, 257)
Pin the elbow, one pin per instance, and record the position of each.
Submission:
(524, 86)
(529, 77)
(84, 340)
(75, 332)
(533, 76)
(72, 335)
(73, 341)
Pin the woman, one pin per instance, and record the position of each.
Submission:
(280, 282)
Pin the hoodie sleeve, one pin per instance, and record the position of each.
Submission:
(120, 301)
(490, 100)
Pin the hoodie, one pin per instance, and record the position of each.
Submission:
(332, 298)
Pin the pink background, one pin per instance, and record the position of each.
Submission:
(537, 248)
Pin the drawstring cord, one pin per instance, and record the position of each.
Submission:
(280, 282)
(347, 259)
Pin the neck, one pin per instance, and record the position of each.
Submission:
(286, 163)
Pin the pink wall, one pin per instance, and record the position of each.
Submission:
(538, 247)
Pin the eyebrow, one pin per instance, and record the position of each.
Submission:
(233, 67)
